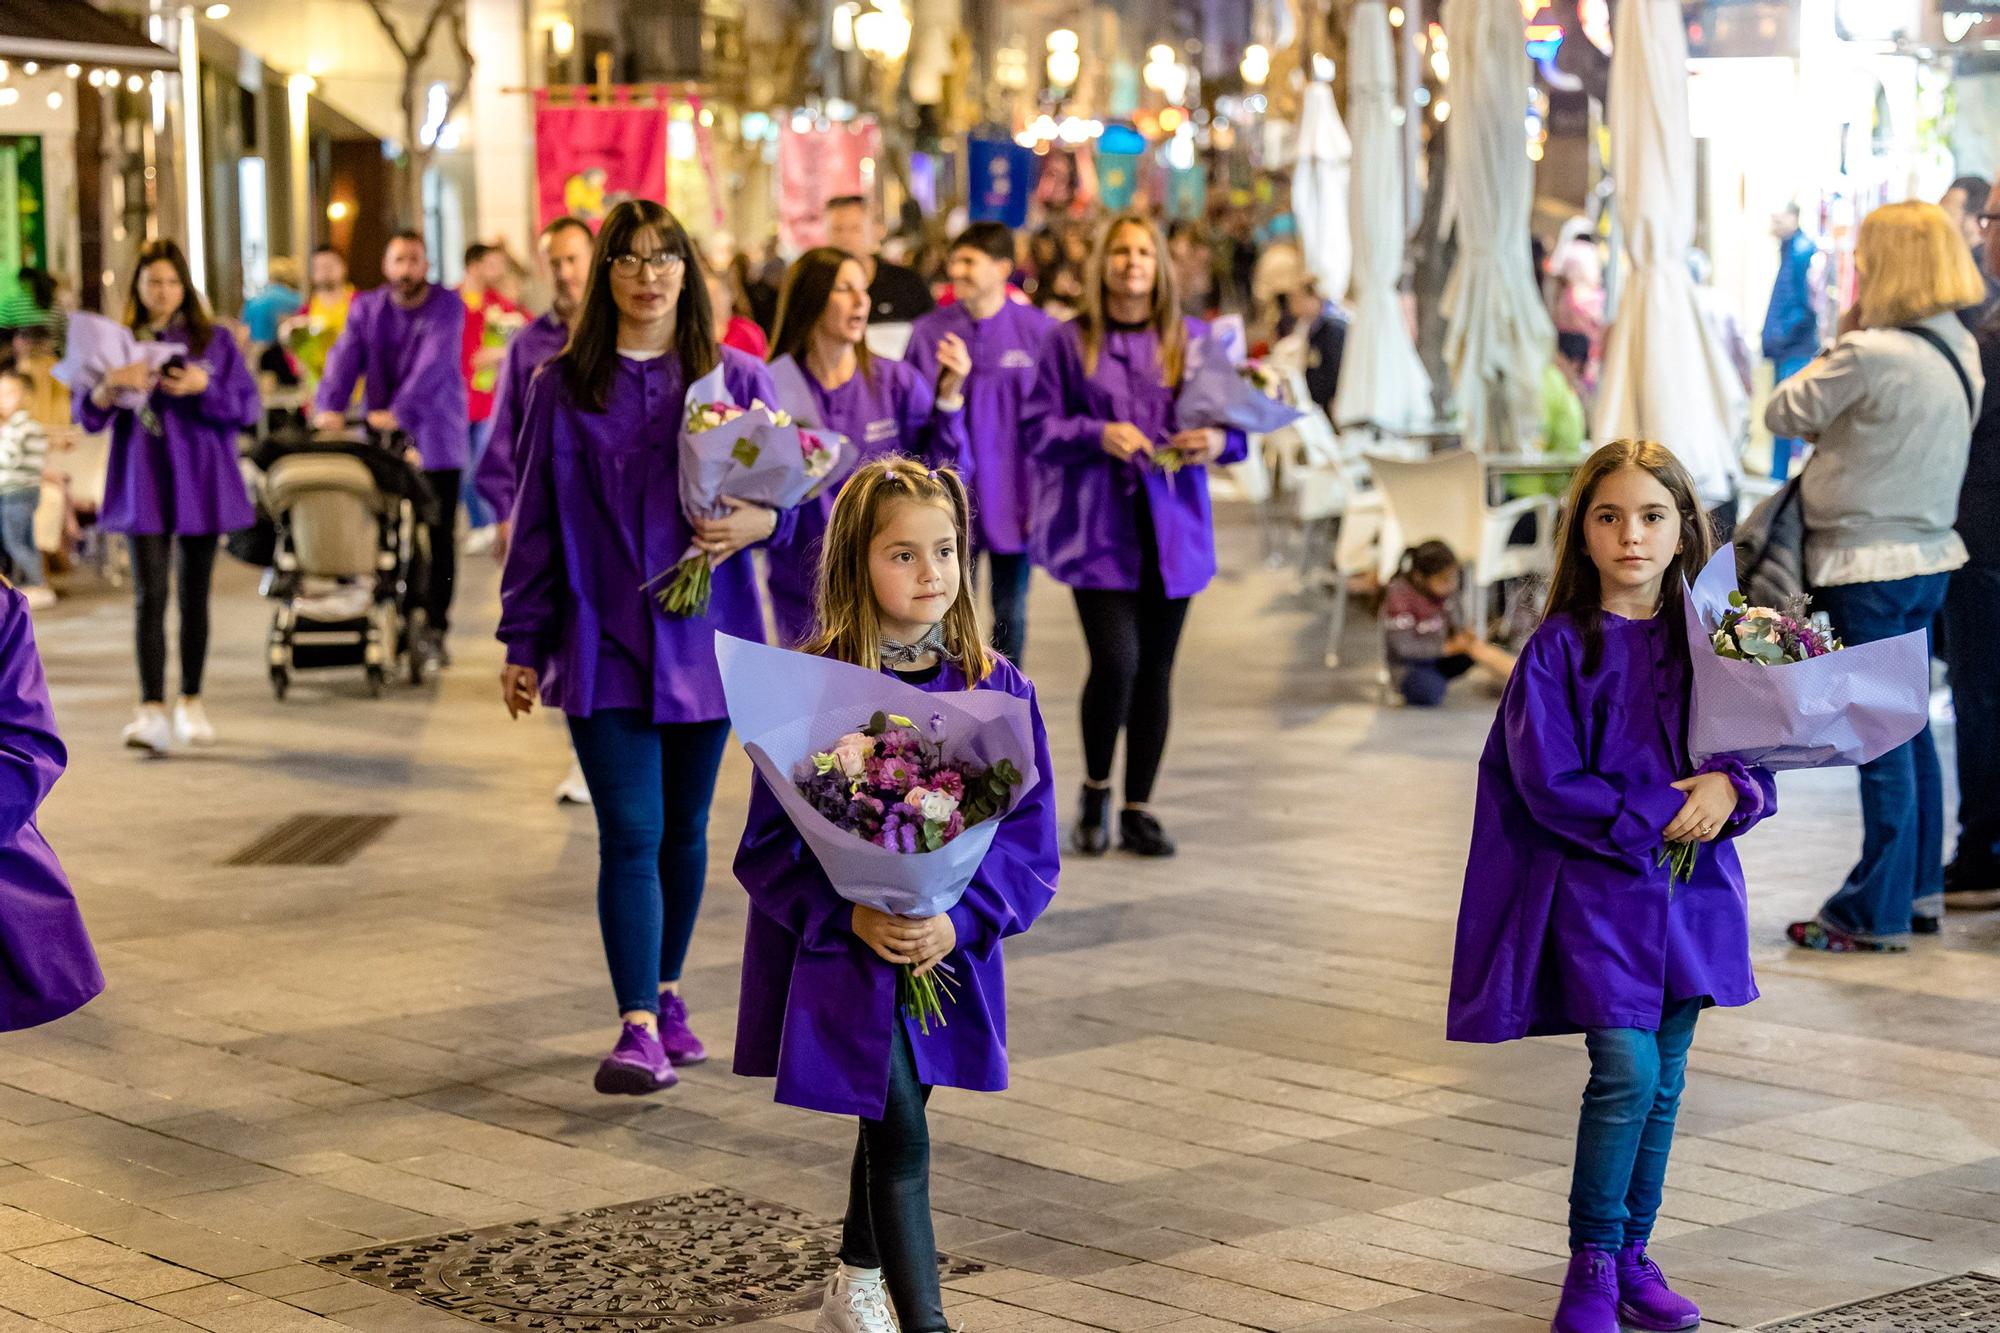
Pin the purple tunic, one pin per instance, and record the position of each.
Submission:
(1085, 526)
(47, 967)
(184, 480)
(892, 411)
(409, 362)
(598, 514)
(818, 1006)
(1567, 923)
(529, 350)
(1004, 352)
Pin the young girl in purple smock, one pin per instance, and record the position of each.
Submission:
(1569, 922)
(819, 1008)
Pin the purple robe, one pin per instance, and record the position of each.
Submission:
(817, 1005)
(894, 410)
(184, 480)
(527, 352)
(1567, 922)
(599, 514)
(47, 967)
(409, 362)
(1004, 352)
(1085, 524)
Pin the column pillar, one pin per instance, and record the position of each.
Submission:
(503, 133)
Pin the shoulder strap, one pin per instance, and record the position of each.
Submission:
(1944, 350)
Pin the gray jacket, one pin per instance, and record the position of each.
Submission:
(1891, 434)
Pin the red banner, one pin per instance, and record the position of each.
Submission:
(816, 165)
(590, 158)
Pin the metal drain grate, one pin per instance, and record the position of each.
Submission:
(314, 840)
(1965, 1304)
(707, 1259)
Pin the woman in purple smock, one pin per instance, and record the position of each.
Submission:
(1569, 922)
(597, 513)
(819, 1008)
(827, 377)
(47, 967)
(1129, 532)
(173, 487)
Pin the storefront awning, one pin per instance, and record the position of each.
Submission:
(59, 32)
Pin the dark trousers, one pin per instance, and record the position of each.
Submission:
(1132, 637)
(152, 573)
(1423, 683)
(444, 548)
(1971, 623)
(888, 1222)
(1007, 583)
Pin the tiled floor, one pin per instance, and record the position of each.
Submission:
(1232, 1104)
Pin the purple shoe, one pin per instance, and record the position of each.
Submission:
(1589, 1301)
(683, 1047)
(636, 1066)
(1644, 1298)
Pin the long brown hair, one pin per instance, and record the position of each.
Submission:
(850, 626)
(1164, 317)
(802, 300)
(192, 315)
(592, 354)
(1575, 589)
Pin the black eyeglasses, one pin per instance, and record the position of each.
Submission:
(658, 264)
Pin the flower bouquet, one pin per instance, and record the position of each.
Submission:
(899, 816)
(96, 345)
(497, 325)
(755, 453)
(1215, 394)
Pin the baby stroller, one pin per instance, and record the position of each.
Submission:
(345, 516)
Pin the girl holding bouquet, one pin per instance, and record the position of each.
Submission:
(1570, 921)
(819, 1007)
(827, 378)
(596, 513)
(1119, 519)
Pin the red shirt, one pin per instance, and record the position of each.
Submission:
(744, 335)
(481, 384)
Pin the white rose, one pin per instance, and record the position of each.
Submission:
(939, 805)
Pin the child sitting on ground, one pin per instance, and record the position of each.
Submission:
(1424, 643)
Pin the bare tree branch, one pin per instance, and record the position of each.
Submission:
(381, 12)
(463, 84)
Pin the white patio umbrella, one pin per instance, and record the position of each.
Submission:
(1664, 377)
(1382, 380)
(1498, 337)
(1319, 192)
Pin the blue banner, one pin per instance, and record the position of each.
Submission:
(1003, 179)
(1187, 192)
(1117, 179)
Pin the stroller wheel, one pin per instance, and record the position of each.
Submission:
(281, 681)
(377, 680)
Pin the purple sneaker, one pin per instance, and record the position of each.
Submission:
(636, 1066)
(683, 1047)
(1589, 1296)
(1644, 1298)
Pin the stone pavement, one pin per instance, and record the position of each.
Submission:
(1232, 1104)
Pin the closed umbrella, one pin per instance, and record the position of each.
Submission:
(1319, 191)
(1664, 376)
(1382, 380)
(1498, 337)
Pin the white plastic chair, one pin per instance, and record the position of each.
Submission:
(1444, 499)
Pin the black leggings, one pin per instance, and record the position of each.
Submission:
(150, 577)
(1132, 637)
(889, 1197)
(436, 593)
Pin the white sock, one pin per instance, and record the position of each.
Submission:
(865, 1276)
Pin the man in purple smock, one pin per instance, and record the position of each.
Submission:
(404, 340)
(1004, 338)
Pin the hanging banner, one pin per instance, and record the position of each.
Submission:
(1003, 177)
(1117, 179)
(1187, 192)
(820, 163)
(588, 159)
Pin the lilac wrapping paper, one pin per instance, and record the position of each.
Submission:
(96, 345)
(785, 706)
(788, 377)
(1847, 707)
(1213, 394)
(772, 472)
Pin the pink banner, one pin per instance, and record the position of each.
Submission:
(589, 158)
(816, 165)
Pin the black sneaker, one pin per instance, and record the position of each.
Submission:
(1971, 887)
(1926, 925)
(1089, 836)
(1140, 834)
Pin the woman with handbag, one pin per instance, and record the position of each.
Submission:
(1889, 410)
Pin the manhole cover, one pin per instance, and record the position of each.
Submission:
(1965, 1304)
(314, 840)
(706, 1259)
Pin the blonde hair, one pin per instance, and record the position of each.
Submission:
(850, 624)
(1913, 264)
(1164, 317)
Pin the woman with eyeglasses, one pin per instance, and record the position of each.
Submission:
(826, 377)
(598, 514)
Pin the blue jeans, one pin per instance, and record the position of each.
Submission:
(1627, 1128)
(1424, 683)
(1901, 872)
(1786, 448)
(1972, 624)
(650, 785)
(17, 534)
(478, 514)
(1007, 582)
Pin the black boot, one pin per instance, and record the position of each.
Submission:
(1089, 836)
(1140, 834)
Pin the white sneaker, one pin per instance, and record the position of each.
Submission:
(573, 790)
(191, 724)
(39, 598)
(479, 541)
(855, 1304)
(150, 730)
